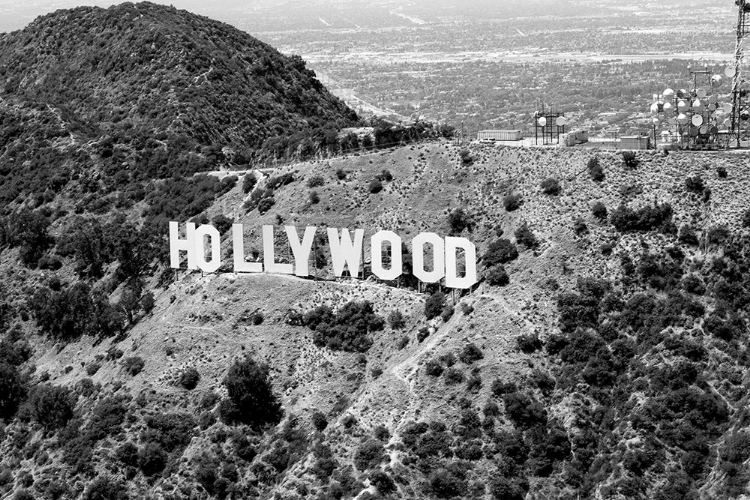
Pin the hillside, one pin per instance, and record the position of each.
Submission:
(142, 91)
(612, 364)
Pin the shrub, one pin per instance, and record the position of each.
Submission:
(265, 204)
(319, 421)
(746, 218)
(315, 181)
(105, 488)
(382, 482)
(251, 399)
(51, 406)
(423, 333)
(134, 365)
(499, 388)
(525, 237)
(128, 454)
(222, 223)
(470, 353)
(644, 219)
(385, 176)
(375, 186)
(189, 378)
(528, 343)
(466, 158)
(172, 431)
(579, 227)
(340, 174)
(346, 330)
(369, 454)
(314, 197)
(695, 184)
(550, 186)
(12, 390)
(630, 159)
(433, 368)
(524, 411)
(249, 182)
(453, 376)
(152, 459)
(434, 305)
(599, 210)
(687, 236)
(512, 202)
(596, 172)
(447, 312)
(500, 251)
(721, 172)
(458, 220)
(397, 320)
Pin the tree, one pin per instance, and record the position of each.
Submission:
(251, 399)
(105, 488)
(12, 390)
(458, 220)
(51, 406)
(497, 275)
(500, 251)
(596, 172)
(525, 237)
(550, 186)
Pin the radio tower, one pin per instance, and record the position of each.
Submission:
(742, 29)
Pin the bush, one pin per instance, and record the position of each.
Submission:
(434, 305)
(458, 220)
(721, 172)
(382, 482)
(596, 172)
(128, 454)
(315, 181)
(105, 488)
(687, 236)
(369, 455)
(470, 353)
(319, 421)
(251, 399)
(746, 218)
(189, 378)
(579, 227)
(466, 158)
(375, 186)
(630, 159)
(550, 186)
(599, 210)
(314, 197)
(249, 182)
(51, 406)
(433, 368)
(423, 333)
(12, 388)
(134, 365)
(500, 251)
(528, 343)
(222, 223)
(346, 330)
(512, 202)
(695, 184)
(385, 176)
(524, 411)
(265, 204)
(340, 174)
(453, 376)
(644, 219)
(152, 459)
(397, 320)
(525, 237)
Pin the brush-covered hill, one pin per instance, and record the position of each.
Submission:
(603, 355)
(144, 91)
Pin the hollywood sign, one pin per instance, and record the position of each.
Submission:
(346, 252)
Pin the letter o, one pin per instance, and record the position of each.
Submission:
(376, 249)
(438, 257)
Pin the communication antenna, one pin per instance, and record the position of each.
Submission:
(735, 72)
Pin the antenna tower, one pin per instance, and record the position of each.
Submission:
(736, 74)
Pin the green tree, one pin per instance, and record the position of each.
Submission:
(251, 399)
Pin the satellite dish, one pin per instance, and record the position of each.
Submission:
(744, 114)
(701, 93)
(667, 106)
(655, 108)
(716, 81)
(682, 119)
(704, 129)
(730, 71)
(713, 130)
(668, 94)
(697, 120)
(655, 121)
(682, 105)
(727, 108)
(697, 105)
(712, 107)
(726, 123)
(694, 131)
(542, 121)
(682, 93)
(713, 99)
(561, 121)
(672, 121)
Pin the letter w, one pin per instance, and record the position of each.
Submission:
(344, 251)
